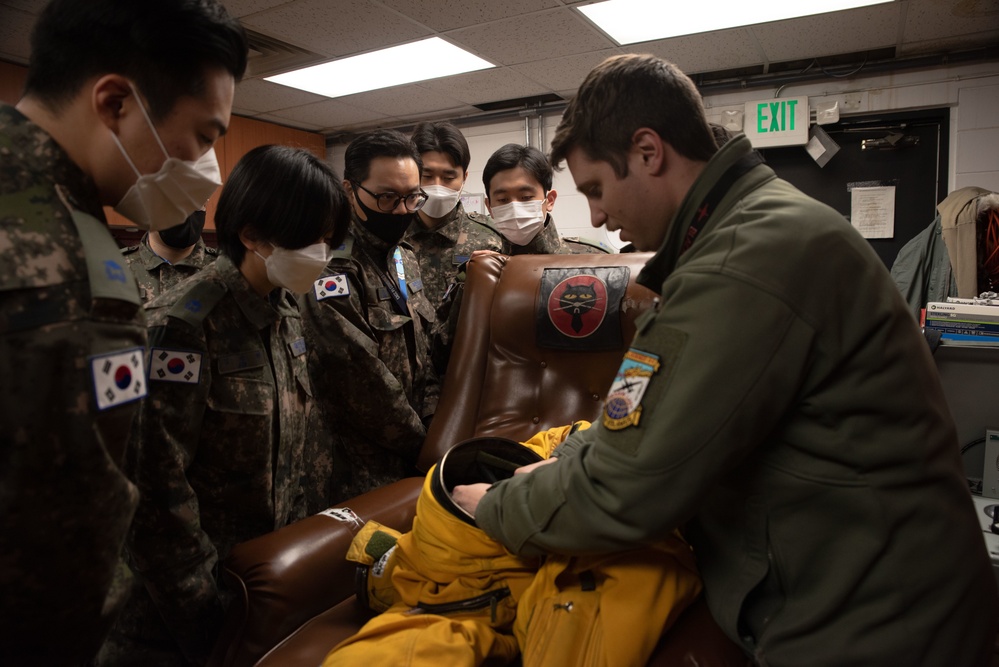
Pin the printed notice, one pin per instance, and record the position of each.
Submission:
(872, 211)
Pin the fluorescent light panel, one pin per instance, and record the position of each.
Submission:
(630, 21)
(418, 61)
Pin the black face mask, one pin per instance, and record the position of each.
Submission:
(186, 233)
(389, 227)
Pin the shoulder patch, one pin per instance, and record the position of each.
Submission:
(197, 302)
(331, 286)
(623, 406)
(167, 365)
(118, 377)
(344, 249)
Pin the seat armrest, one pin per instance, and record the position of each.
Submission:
(283, 579)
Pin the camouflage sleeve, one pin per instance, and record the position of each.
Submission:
(168, 547)
(65, 500)
(351, 382)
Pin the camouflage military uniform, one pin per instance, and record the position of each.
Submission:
(223, 432)
(443, 249)
(156, 275)
(370, 363)
(72, 337)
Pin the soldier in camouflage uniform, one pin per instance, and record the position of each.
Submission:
(368, 323)
(162, 259)
(72, 334)
(443, 235)
(224, 429)
(517, 177)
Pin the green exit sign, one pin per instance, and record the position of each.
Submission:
(777, 122)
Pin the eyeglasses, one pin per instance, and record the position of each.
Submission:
(389, 201)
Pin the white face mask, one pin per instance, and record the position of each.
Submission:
(296, 270)
(441, 200)
(165, 199)
(520, 221)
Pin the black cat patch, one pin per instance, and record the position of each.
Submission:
(579, 309)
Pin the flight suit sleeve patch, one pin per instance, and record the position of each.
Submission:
(331, 286)
(166, 365)
(118, 377)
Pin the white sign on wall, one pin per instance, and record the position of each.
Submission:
(777, 122)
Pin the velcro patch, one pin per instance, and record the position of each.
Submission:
(623, 406)
(330, 286)
(118, 377)
(167, 365)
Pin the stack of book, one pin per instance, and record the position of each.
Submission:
(965, 321)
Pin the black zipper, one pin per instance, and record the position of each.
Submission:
(490, 599)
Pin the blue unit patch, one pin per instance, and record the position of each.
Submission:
(623, 406)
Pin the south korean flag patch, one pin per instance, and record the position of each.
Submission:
(118, 377)
(330, 286)
(167, 365)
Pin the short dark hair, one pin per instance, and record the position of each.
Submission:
(515, 155)
(443, 137)
(164, 46)
(378, 143)
(625, 93)
(281, 195)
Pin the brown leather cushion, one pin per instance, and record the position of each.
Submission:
(499, 382)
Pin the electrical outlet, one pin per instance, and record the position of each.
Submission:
(852, 101)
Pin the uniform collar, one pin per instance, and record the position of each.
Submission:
(36, 150)
(662, 264)
(257, 309)
(150, 260)
(449, 226)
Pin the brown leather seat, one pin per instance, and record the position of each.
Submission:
(295, 589)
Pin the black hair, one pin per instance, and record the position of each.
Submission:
(284, 196)
(378, 143)
(443, 137)
(530, 159)
(164, 46)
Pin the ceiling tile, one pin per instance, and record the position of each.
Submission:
(241, 8)
(564, 73)
(261, 96)
(955, 43)
(547, 35)
(932, 19)
(444, 15)
(329, 115)
(826, 34)
(271, 118)
(402, 100)
(335, 30)
(704, 53)
(490, 85)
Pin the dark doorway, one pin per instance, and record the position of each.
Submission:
(917, 168)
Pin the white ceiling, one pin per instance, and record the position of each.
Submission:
(542, 47)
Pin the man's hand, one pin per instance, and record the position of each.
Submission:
(467, 496)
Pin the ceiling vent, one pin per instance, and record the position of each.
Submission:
(519, 102)
(272, 56)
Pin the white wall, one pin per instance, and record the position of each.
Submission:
(971, 91)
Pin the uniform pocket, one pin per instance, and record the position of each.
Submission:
(564, 630)
(246, 396)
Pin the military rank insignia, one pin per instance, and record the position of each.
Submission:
(174, 366)
(118, 377)
(330, 286)
(580, 308)
(623, 406)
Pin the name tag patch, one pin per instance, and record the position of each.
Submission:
(174, 366)
(119, 377)
(241, 361)
(330, 286)
(623, 406)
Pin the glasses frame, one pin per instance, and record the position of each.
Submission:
(395, 198)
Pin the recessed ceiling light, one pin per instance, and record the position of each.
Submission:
(630, 21)
(418, 61)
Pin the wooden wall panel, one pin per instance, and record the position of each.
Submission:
(11, 82)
